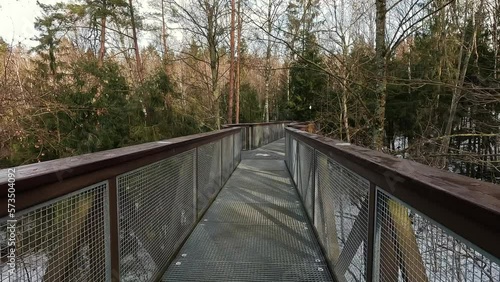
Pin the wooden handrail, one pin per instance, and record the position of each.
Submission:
(468, 207)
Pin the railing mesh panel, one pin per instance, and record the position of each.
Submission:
(227, 157)
(237, 149)
(287, 150)
(209, 174)
(156, 211)
(293, 159)
(244, 138)
(305, 169)
(257, 136)
(341, 217)
(265, 134)
(408, 245)
(65, 239)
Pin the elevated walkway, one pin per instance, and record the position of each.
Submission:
(203, 208)
(256, 229)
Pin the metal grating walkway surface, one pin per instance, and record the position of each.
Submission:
(256, 229)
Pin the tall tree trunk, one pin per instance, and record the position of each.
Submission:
(231, 67)
(214, 63)
(238, 66)
(381, 65)
(136, 45)
(216, 94)
(288, 82)
(102, 40)
(496, 15)
(164, 30)
(345, 114)
(440, 39)
(458, 85)
(268, 62)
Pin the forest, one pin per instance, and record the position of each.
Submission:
(414, 78)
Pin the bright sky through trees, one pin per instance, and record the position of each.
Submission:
(16, 20)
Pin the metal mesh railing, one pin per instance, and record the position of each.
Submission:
(336, 199)
(422, 249)
(127, 227)
(238, 146)
(341, 217)
(156, 213)
(264, 134)
(65, 239)
(227, 157)
(245, 138)
(305, 177)
(369, 234)
(209, 174)
(159, 204)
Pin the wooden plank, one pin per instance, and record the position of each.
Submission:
(32, 176)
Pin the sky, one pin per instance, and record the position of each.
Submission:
(17, 18)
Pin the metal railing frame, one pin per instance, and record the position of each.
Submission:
(252, 132)
(44, 182)
(467, 207)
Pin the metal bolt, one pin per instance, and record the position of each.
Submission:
(178, 263)
(184, 255)
(320, 268)
(318, 260)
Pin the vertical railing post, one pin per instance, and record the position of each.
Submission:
(114, 230)
(313, 186)
(296, 166)
(234, 157)
(372, 201)
(252, 139)
(286, 152)
(196, 185)
(221, 161)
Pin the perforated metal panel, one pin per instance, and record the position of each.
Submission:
(156, 211)
(272, 151)
(217, 271)
(66, 239)
(253, 243)
(411, 245)
(209, 174)
(341, 217)
(261, 213)
(227, 157)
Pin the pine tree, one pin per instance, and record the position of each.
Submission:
(307, 80)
